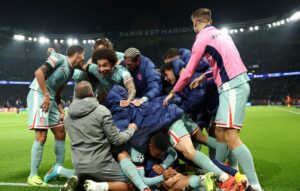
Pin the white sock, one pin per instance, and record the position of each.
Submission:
(223, 177)
(256, 187)
(102, 186)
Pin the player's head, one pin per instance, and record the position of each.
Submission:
(106, 59)
(158, 145)
(76, 53)
(171, 54)
(102, 43)
(168, 73)
(200, 18)
(132, 58)
(83, 89)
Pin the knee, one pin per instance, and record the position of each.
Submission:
(232, 138)
(189, 153)
(41, 137)
(123, 155)
(60, 133)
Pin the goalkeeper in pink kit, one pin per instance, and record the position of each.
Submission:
(229, 73)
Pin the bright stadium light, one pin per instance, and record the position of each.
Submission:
(19, 37)
(288, 20)
(61, 41)
(70, 41)
(75, 41)
(34, 39)
(256, 28)
(274, 24)
(47, 40)
(93, 41)
(30, 38)
(278, 23)
(225, 30)
(295, 16)
(42, 40)
(231, 31)
(84, 41)
(269, 25)
(55, 41)
(251, 28)
(236, 31)
(282, 22)
(241, 30)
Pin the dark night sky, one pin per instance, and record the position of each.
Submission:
(88, 16)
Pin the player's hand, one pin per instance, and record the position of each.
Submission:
(61, 117)
(158, 169)
(168, 98)
(46, 103)
(132, 126)
(50, 50)
(137, 102)
(197, 81)
(124, 103)
(84, 67)
(169, 173)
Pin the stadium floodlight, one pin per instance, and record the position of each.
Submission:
(251, 28)
(288, 20)
(30, 38)
(43, 40)
(269, 25)
(231, 31)
(84, 41)
(70, 41)
(256, 28)
(236, 31)
(47, 40)
(55, 41)
(93, 41)
(61, 41)
(282, 22)
(295, 16)
(274, 24)
(278, 23)
(34, 39)
(75, 41)
(241, 30)
(225, 30)
(19, 37)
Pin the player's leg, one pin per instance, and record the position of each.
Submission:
(38, 121)
(130, 170)
(58, 130)
(181, 140)
(236, 99)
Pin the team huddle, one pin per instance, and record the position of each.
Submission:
(129, 122)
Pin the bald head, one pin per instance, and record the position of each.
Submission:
(83, 89)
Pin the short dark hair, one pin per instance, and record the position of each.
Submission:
(166, 66)
(83, 89)
(171, 53)
(105, 53)
(105, 42)
(73, 49)
(161, 141)
(202, 15)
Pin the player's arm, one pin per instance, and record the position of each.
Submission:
(197, 53)
(130, 87)
(171, 157)
(41, 74)
(59, 104)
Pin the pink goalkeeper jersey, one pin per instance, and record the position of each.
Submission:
(219, 49)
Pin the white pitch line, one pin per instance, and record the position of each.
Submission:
(286, 110)
(25, 184)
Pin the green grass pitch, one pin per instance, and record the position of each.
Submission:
(271, 133)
